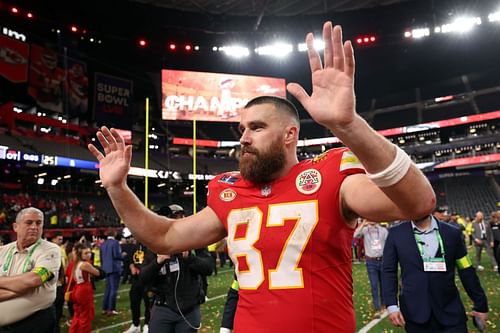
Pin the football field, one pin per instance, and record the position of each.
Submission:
(218, 287)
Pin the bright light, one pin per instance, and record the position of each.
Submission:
(278, 50)
(494, 17)
(17, 110)
(143, 43)
(53, 182)
(418, 33)
(40, 181)
(461, 24)
(172, 46)
(14, 10)
(67, 176)
(29, 15)
(161, 185)
(196, 48)
(214, 48)
(187, 47)
(74, 28)
(236, 51)
(318, 45)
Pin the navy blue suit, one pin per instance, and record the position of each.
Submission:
(111, 263)
(425, 293)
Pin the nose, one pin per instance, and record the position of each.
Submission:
(245, 138)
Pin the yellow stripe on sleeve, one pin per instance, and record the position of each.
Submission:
(464, 262)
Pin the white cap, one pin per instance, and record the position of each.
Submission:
(176, 208)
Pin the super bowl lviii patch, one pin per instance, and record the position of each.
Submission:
(350, 161)
(227, 195)
(308, 181)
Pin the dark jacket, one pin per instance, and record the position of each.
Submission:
(184, 284)
(422, 292)
(111, 256)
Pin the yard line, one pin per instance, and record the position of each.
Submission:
(100, 329)
(372, 323)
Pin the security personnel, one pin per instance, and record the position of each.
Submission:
(428, 251)
(176, 280)
(29, 269)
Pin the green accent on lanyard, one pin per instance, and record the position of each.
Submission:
(420, 247)
(7, 264)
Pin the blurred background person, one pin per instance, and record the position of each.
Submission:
(483, 239)
(82, 295)
(374, 236)
(111, 263)
(176, 280)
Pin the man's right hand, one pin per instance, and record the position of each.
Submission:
(397, 319)
(114, 164)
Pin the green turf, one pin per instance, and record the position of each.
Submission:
(218, 286)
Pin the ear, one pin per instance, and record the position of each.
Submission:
(291, 134)
(14, 226)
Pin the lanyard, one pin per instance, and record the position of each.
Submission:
(8, 262)
(419, 243)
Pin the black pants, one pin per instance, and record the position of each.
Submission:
(137, 293)
(166, 320)
(58, 305)
(432, 325)
(42, 321)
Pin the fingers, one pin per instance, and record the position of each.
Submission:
(314, 58)
(327, 39)
(119, 139)
(338, 49)
(349, 58)
(298, 92)
(97, 154)
(112, 144)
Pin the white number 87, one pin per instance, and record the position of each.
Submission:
(287, 274)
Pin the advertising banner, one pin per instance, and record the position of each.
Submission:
(212, 96)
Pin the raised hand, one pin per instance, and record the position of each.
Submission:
(114, 164)
(332, 102)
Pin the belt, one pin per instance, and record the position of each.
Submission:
(373, 258)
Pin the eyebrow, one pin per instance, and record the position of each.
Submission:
(255, 123)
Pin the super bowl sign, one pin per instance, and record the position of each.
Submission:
(212, 96)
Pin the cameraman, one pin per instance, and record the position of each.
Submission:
(176, 281)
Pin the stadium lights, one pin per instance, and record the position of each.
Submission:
(494, 17)
(40, 181)
(318, 45)
(278, 50)
(235, 51)
(461, 25)
(417, 33)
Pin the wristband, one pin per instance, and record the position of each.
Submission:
(394, 172)
(44, 274)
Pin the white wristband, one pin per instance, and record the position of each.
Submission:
(225, 330)
(394, 172)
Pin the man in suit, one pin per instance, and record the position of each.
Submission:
(428, 251)
(483, 238)
(111, 263)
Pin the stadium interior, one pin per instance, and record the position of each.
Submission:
(428, 83)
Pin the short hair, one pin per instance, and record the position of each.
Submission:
(28, 210)
(279, 103)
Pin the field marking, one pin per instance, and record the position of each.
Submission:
(372, 323)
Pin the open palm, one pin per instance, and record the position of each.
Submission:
(332, 102)
(114, 164)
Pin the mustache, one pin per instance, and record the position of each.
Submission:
(247, 149)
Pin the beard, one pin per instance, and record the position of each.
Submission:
(261, 167)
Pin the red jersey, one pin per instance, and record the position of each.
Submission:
(291, 247)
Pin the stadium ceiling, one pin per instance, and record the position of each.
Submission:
(268, 7)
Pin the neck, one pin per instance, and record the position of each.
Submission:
(424, 224)
(23, 245)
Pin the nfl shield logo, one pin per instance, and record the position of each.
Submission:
(266, 190)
